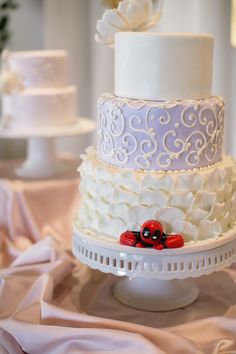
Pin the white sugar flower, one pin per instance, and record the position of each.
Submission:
(131, 15)
(9, 80)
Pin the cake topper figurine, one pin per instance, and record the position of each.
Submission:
(130, 16)
(10, 81)
(151, 235)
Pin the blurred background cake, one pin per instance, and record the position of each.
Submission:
(37, 91)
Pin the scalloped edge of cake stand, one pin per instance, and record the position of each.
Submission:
(190, 261)
(82, 126)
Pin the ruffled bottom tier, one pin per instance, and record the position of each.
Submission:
(199, 204)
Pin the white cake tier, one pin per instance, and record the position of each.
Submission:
(162, 66)
(40, 69)
(40, 108)
(199, 204)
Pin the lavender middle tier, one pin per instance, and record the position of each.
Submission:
(160, 135)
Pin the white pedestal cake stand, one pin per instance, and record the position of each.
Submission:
(42, 160)
(156, 279)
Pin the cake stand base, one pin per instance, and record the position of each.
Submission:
(155, 294)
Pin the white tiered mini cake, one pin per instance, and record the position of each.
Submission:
(38, 92)
(160, 142)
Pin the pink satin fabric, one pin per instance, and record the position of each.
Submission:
(31, 209)
(50, 303)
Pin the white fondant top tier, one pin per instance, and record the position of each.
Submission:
(163, 66)
(40, 69)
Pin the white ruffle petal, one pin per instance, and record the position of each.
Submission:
(124, 197)
(119, 211)
(226, 222)
(219, 209)
(168, 216)
(164, 183)
(193, 184)
(91, 152)
(194, 216)
(145, 214)
(233, 204)
(209, 229)
(185, 228)
(126, 181)
(204, 200)
(103, 175)
(224, 193)
(149, 197)
(217, 179)
(183, 200)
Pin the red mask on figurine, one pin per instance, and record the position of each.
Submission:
(151, 232)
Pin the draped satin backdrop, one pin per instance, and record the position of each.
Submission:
(70, 24)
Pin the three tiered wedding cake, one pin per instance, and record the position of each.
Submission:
(160, 140)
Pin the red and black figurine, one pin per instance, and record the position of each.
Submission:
(151, 235)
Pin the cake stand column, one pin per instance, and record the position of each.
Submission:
(156, 294)
(41, 160)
